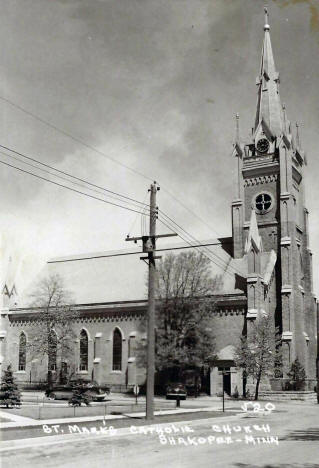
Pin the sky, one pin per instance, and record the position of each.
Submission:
(153, 85)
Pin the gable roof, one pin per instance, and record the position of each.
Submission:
(120, 275)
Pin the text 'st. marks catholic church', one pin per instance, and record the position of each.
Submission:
(265, 268)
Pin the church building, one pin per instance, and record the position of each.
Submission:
(265, 268)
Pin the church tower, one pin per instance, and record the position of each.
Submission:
(270, 179)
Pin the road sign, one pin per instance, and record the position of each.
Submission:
(136, 390)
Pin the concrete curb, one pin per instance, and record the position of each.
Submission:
(35, 423)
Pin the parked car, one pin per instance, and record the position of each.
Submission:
(176, 390)
(64, 392)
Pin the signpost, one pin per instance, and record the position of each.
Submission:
(223, 372)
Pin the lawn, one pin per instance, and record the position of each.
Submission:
(4, 420)
(51, 411)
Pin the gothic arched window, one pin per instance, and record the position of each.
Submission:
(117, 350)
(84, 350)
(52, 350)
(22, 352)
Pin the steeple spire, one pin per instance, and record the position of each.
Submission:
(268, 102)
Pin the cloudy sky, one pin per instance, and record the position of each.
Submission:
(153, 85)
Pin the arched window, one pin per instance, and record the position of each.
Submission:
(117, 350)
(84, 344)
(52, 350)
(22, 352)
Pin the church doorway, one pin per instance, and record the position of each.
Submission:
(226, 379)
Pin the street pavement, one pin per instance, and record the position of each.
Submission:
(285, 437)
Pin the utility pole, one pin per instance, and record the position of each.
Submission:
(317, 360)
(149, 246)
(151, 311)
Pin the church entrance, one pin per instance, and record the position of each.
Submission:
(226, 379)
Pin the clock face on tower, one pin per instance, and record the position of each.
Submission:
(262, 145)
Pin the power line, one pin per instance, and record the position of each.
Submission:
(69, 175)
(68, 188)
(198, 247)
(81, 185)
(188, 209)
(196, 240)
(92, 148)
(77, 140)
(68, 180)
(140, 212)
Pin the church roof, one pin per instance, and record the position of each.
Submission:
(120, 276)
(227, 353)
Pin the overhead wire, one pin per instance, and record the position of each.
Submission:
(136, 217)
(92, 148)
(140, 212)
(191, 243)
(188, 209)
(70, 180)
(143, 223)
(169, 221)
(68, 188)
(199, 247)
(68, 174)
(76, 139)
(227, 265)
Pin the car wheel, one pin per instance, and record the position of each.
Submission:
(52, 396)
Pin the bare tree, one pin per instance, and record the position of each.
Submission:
(259, 353)
(52, 334)
(184, 337)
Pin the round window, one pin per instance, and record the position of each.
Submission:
(263, 202)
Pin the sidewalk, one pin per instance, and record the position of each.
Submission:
(20, 421)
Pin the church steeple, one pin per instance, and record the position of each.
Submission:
(269, 108)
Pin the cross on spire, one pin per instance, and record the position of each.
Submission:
(266, 27)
